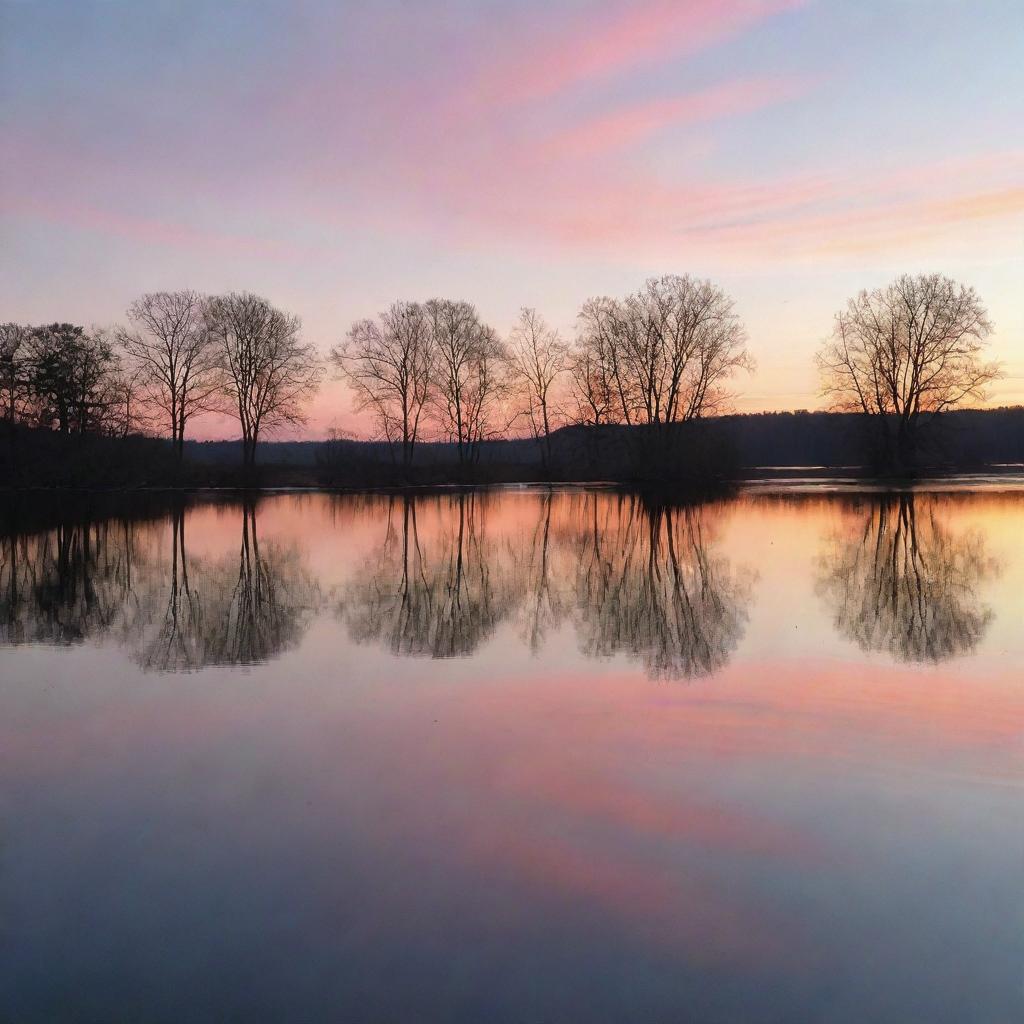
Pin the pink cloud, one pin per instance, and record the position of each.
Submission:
(147, 230)
(480, 151)
(618, 37)
(633, 124)
(601, 207)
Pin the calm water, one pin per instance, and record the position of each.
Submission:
(516, 756)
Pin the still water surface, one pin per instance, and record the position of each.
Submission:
(514, 756)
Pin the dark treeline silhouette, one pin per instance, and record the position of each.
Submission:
(639, 395)
(182, 355)
(655, 361)
(712, 453)
(716, 448)
(649, 581)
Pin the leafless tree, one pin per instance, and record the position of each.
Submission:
(270, 374)
(663, 355)
(912, 348)
(390, 362)
(174, 357)
(603, 391)
(127, 402)
(537, 360)
(591, 371)
(469, 381)
(14, 340)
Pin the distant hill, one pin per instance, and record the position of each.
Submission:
(755, 441)
(691, 456)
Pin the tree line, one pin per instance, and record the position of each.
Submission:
(434, 370)
(181, 354)
(661, 356)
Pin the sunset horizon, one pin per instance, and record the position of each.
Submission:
(511, 511)
(338, 159)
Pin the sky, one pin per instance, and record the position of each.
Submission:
(337, 156)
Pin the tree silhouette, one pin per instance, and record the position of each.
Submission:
(269, 373)
(909, 350)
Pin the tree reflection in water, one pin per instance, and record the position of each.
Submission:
(439, 596)
(905, 584)
(546, 602)
(108, 580)
(176, 645)
(629, 578)
(633, 578)
(67, 584)
(230, 611)
(649, 586)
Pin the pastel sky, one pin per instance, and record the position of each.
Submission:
(337, 156)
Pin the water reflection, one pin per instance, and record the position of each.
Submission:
(65, 585)
(901, 582)
(440, 595)
(353, 833)
(438, 576)
(172, 641)
(547, 602)
(634, 579)
(172, 612)
(649, 586)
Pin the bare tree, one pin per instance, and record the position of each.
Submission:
(174, 357)
(270, 374)
(128, 408)
(488, 415)
(390, 362)
(591, 374)
(603, 392)
(537, 359)
(663, 355)
(911, 348)
(469, 382)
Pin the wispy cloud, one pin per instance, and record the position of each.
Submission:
(146, 230)
(360, 152)
(612, 38)
(631, 124)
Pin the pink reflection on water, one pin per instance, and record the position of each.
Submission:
(579, 785)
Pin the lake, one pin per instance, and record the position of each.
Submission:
(514, 756)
